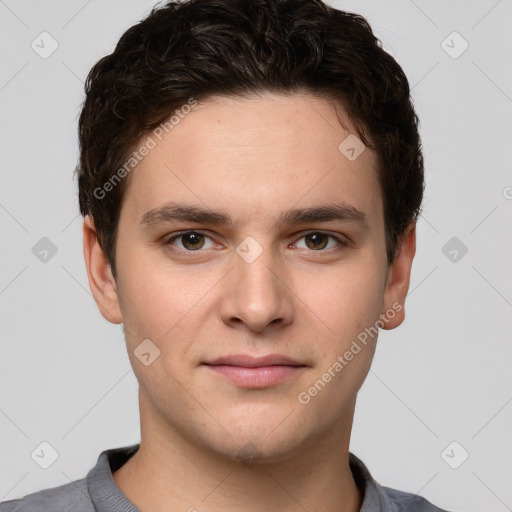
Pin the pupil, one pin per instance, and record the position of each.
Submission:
(316, 239)
(192, 239)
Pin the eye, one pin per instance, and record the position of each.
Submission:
(190, 240)
(193, 241)
(317, 241)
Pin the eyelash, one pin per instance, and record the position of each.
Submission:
(176, 236)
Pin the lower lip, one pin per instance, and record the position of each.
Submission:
(260, 377)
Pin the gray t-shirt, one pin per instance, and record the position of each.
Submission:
(98, 492)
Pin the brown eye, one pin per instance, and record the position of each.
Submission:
(316, 241)
(190, 240)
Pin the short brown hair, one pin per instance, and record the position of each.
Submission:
(201, 48)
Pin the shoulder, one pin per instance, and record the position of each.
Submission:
(72, 496)
(378, 498)
(404, 501)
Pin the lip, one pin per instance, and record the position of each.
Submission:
(255, 372)
(254, 362)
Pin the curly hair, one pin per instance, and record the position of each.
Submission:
(201, 48)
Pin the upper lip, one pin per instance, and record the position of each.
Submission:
(254, 362)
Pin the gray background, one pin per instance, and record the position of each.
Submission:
(443, 376)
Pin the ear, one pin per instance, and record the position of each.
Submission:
(399, 274)
(101, 280)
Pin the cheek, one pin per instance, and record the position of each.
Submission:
(146, 303)
(349, 302)
(167, 306)
(154, 310)
(346, 300)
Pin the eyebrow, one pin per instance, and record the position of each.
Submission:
(173, 211)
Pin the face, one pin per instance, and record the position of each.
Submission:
(251, 253)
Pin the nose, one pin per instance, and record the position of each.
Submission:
(256, 293)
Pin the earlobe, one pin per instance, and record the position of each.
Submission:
(101, 281)
(398, 280)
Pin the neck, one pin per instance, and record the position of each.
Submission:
(169, 472)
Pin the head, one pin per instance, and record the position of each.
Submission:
(250, 176)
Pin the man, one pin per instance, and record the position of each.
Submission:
(250, 178)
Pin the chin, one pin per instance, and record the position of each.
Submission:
(259, 441)
(257, 451)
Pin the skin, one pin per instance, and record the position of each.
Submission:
(207, 443)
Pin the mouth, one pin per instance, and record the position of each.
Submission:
(255, 372)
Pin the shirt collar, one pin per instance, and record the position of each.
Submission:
(107, 497)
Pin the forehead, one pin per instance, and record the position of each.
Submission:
(256, 155)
